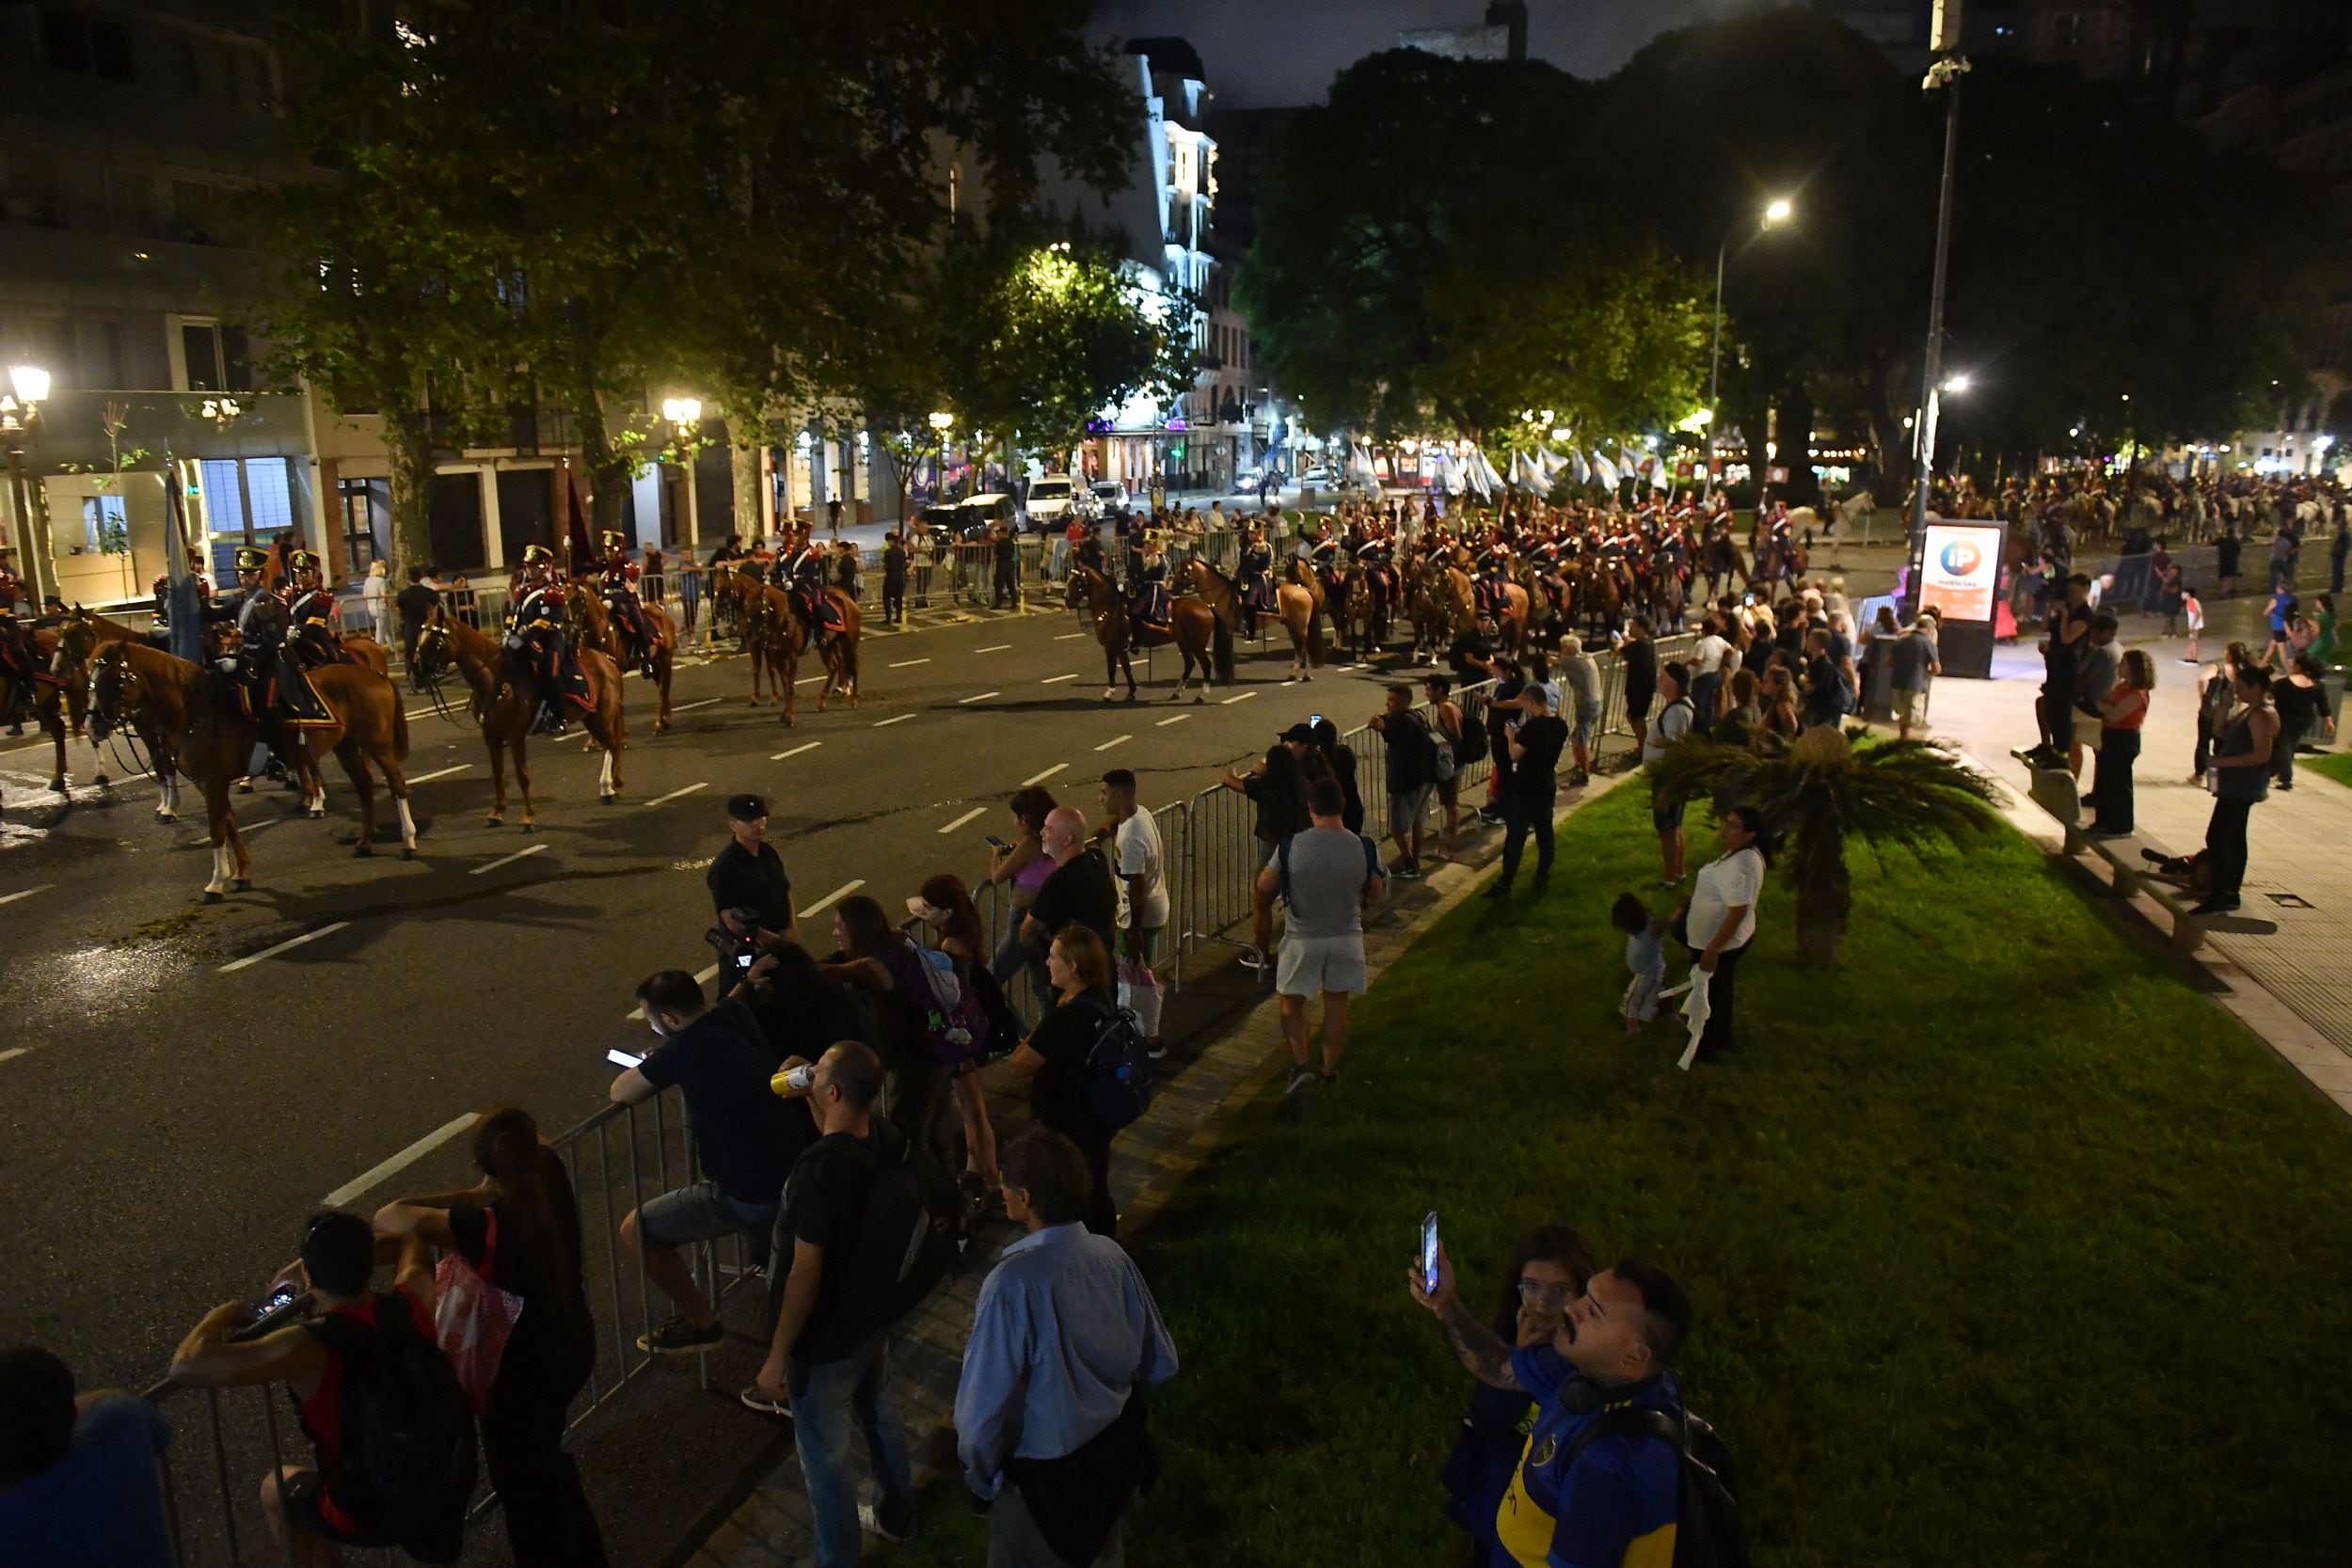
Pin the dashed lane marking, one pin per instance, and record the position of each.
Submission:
(1178, 719)
(909, 663)
(885, 723)
(993, 648)
(688, 707)
(1068, 635)
(415, 1151)
(443, 774)
(972, 816)
(977, 697)
(14, 1052)
(25, 892)
(830, 899)
(805, 680)
(804, 746)
(508, 860)
(1056, 680)
(1229, 702)
(288, 946)
(1040, 778)
(665, 800)
(1115, 740)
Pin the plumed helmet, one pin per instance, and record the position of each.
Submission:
(251, 559)
(302, 560)
(615, 539)
(538, 555)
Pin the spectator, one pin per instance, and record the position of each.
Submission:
(1743, 718)
(1326, 876)
(2122, 712)
(649, 576)
(1613, 1499)
(1050, 1414)
(311, 1508)
(1142, 866)
(1006, 592)
(1024, 863)
(746, 1142)
(2323, 646)
(828, 1362)
(1054, 1058)
(1824, 686)
(520, 1228)
(2297, 698)
(689, 592)
(946, 908)
(1410, 777)
(1501, 702)
(1645, 959)
(1445, 725)
(1579, 672)
(79, 1486)
(2193, 614)
(1672, 723)
(1877, 665)
(415, 603)
(2062, 651)
(875, 958)
(1640, 656)
(1536, 742)
(1707, 659)
(2217, 698)
(2095, 678)
(1716, 923)
(1277, 791)
(1911, 662)
(749, 875)
(1472, 654)
(1079, 891)
(375, 598)
(1340, 760)
(1550, 1267)
(893, 579)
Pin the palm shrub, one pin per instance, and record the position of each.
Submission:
(1820, 791)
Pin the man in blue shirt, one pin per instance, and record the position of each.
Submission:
(1608, 1502)
(78, 1482)
(1064, 1341)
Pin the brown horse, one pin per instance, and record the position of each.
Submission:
(1296, 606)
(1197, 631)
(596, 630)
(83, 633)
(53, 694)
(506, 698)
(776, 636)
(214, 737)
(1461, 602)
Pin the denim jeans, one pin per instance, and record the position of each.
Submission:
(838, 1399)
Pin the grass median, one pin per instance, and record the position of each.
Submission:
(2007, 1246)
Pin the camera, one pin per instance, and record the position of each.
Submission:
(736, 954)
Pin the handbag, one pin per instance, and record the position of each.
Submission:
(1140, 994)
(473, 1319)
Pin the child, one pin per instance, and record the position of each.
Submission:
(1645, 955)
(2195, 613)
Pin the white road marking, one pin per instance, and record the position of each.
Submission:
(327, 931)
(806, 679)
(832, 898)
(993, 648)
(885, 723)
(974, 814)
(1056, 680)
(1178, 719)
(14, 1052)
(1066, 636)
(26, 893)
(1040, 778)
(664, 800)
(1229, 702)
(415, 1151)
(428, 777)
(909, 663)
(1115, 740)
(804, 746)
(507, 859)
(977, 697)
(688, 707)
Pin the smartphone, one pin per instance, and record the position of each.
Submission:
(1315, 719)
(745, 961)
(1429, 1253)
(622, 1058)
(995, 843)
(279, 1299)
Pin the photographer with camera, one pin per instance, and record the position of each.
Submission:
(748, 891)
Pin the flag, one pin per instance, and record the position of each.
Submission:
(1577, 466)
(582, 550)
(1604, 471)
(185, 602)
(1549, 462)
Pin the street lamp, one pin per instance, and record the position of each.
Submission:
(940, 422)
(684, 414)
(20, 418)
(1776, 212)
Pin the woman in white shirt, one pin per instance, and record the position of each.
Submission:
(373, 591)
(1716, 922)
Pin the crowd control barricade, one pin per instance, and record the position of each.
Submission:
(224, 1441)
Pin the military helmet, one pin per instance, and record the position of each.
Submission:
(615, 540)
(251, 559)
(538, 555)
(302, 560)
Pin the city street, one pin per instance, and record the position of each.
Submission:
(185, 1080)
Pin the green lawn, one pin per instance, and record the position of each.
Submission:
(2333, 765)
(2009, 1249)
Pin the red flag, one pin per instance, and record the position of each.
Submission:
(583, 552)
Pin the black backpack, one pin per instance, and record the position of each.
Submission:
(909, 1235)
(1119, 1070)
(1472, 746)
(1708, 1531)
(408, 1468)
(1416, 745)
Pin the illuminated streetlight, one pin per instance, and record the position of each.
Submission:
(1780, 210)
(19, 416)
(1957, 384)
(32, 383)
(1777, 212)
(943, 422)
(685, 413)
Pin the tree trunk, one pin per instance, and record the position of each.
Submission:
(609, 469)
(408, 445)
(1888, 438)
(1795, 445)
(746, 434)
(1824, 899)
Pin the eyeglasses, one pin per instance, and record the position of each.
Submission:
(1535, 1292)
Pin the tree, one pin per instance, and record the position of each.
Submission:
(1824, 791)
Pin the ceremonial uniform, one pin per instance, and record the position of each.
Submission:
(616, 582)
(1493, 563)
(801, 572)
(311, 614)
(1147, 596)
(1256, 583)
(18, 659)
(264, 622)
(539, 633)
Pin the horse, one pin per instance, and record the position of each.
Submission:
(1720, 556)
(1197, 630)
(1295, 605)
(596, 630)
(1510, 630)
(52, 695)
(79, 639)
(506, 698)
(1361, 622)
(776, 636)
(214, 737)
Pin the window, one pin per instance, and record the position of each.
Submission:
(216, 356)
(106, 527)
(191, 211)
(268, 495)
(84, 44)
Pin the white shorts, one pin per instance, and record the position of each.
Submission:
(1640, 997)
(1310, 966)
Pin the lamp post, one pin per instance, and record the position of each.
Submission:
(686, 422)
(1777, 212)
(940, 422)
(20, 419)
(1945, 74)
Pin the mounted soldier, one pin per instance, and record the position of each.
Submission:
(19, 658)
(272, 685)
(800, 571)
(616, 584)
(1494, 575)
(1255, 579)
(539, 633)
(311, 615)
(1147, 596)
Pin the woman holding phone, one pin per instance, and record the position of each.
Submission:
(1023, 862)
(946, 908)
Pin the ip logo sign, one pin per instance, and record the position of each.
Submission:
(1960, 558)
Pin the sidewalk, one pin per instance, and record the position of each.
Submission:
(2282, 965)
(1214, 1078)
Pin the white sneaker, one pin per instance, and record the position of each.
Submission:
(869, 1520)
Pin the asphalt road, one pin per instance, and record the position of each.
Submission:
(167, 1117)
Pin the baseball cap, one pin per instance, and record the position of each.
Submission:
(1680, 671)
(746, 808)
(1303, 733)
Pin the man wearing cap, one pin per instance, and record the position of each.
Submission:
(1256, 579)
(259, 612)
(616, 580)
(1147, 594)
(310, 640)
(536, 630)
(799, 569)
(748, 876)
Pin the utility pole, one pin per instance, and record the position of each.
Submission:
(1945, 74)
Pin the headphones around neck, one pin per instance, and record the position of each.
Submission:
(1583, 1396)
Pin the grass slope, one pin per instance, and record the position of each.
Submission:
(2007, 1246)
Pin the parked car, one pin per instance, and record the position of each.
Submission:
(1052, 498)
(1110, 495)
(967, 521)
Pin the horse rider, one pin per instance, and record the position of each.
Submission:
(1494, 566)
(264, 622)
(616, 582)
(1325, 555)
(311, 614)
(1147, 596)
(539, 634)
(1256, 578)
(17, 657)
(1376, 557)
(800, 571)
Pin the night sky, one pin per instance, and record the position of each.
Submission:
(1270, 54)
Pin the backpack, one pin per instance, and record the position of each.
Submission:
(1442, 762)
(1472, 746)
(909, 1234)
(1708, 1531)
(936, 1006)
(407, 1470)
(1415, 745)
(1119, 1070)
